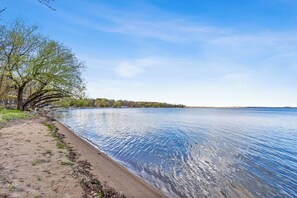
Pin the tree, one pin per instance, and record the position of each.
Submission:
(41, 70)
(2, 10)
(117, 104)
(47, 3)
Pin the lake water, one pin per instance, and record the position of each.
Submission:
(244, 152)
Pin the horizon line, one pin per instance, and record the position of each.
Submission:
(240, 107)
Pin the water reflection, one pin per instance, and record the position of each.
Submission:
(199, 152)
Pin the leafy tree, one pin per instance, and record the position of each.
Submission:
(103, 102)
(41, 70)
(117, 104)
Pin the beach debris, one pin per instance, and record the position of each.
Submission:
(72, 154)
(3, 195)
(47, 153)
(81, 169)
(1, 167)
(94, 189)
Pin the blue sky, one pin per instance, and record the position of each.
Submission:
(200, 53)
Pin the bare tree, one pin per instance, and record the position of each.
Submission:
(47, 3)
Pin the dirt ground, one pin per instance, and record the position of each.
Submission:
(33, 163)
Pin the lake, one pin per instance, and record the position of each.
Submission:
(198, 152)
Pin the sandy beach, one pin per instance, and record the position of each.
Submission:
(33, 165)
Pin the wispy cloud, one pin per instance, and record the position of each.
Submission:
(127, 69)
(180, 30)
(174, 30)
(201, 56)
(131, 69)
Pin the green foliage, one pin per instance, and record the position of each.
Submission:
(117, 104)
(106, 103)
(99, 195)
(51, 127)
(64, 104)
(80, 103)
(38, 70)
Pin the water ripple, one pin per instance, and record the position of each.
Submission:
(249, 152)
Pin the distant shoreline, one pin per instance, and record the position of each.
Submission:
(185, 107)
(239, 107)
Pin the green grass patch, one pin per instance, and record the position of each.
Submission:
(98, 195)
(50, 127)
(53, 133)
(8, 114)
(60, 144)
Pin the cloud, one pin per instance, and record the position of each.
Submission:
(236, 77)
(232, 61)
(175, 29)
(180, 30)
(134, 68)
(127, 69)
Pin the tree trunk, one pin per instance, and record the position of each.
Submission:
(20, 99)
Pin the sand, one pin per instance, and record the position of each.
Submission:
(31, 165)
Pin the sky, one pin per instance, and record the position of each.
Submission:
(192, 52)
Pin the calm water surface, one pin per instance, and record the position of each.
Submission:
(248, 152)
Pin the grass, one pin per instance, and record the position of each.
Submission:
(99, 195)
(67, 163)
(50, 127)
(60, 144)
(8, 114)
(53, 133)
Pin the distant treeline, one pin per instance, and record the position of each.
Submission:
(103, 102)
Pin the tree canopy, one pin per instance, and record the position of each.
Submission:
(37, 70)
(108, 103)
